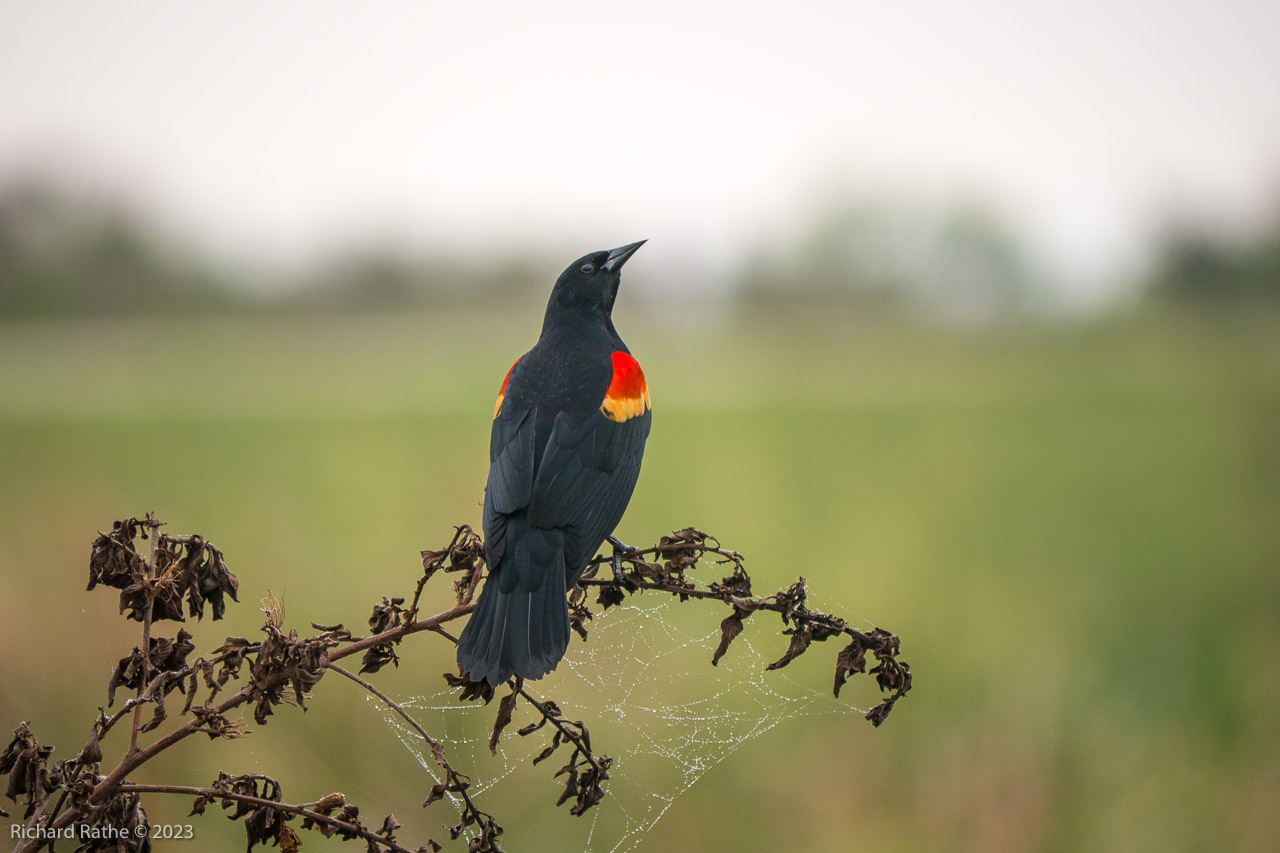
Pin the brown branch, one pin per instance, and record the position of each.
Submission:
(141, 756)
(683, 549)
(431, 623)
(144, 681)
(284, 668)
(301, 811)
(136, 759)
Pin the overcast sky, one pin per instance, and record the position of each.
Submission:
(275, 129)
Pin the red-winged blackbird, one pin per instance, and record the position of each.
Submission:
(564, 455)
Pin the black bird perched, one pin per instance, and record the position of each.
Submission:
(568, 434)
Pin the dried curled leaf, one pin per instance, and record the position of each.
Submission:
(585, 782)
(113, 561)
(610, 596)
(289, 840)
(386, 616)
(262, 824)
(214, 724)
(184, 566)
(202, 572)
(731, 627)
(465, 554)
(226, 663)
(852, 659)
(26, 763)
(387, 831)
(579, 615)
(119, 826)
(487, 839)
(288, 663)
(891, 674)
(471, 690)
(791, 600)
(167, 656)
(91, 752)
(456, 784)
(505, 708)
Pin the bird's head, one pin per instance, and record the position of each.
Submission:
(591, 282)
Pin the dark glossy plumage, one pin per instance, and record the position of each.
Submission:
(568, 437)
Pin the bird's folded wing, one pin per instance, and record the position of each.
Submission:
(510, 484)
(588, 472)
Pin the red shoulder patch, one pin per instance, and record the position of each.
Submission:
(628, 394)
(502, 392)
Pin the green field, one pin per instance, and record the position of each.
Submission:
(1075, 530)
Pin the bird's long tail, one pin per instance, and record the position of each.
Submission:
(521, 622)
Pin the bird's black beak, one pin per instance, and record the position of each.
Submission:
(619, 256)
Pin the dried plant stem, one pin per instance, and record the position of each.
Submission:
(569, 734)
(432, 623)
(388, 701)
(138, 756)
(457, 781)
(284, 668)
(301, 811)
(460, 534)
(146, 632)
(135, 759)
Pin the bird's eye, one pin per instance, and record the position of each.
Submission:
(588, 268)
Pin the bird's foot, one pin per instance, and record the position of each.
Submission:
(621, 549)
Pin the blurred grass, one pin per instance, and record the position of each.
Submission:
(1073, 528)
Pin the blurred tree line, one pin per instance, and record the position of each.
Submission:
(68, 253)
(61, 253)
(960, 262)
(1196, 263)
(64, 252)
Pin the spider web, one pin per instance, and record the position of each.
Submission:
(644, 685)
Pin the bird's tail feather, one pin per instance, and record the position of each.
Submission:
(521, 623)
